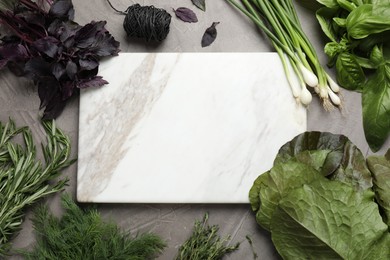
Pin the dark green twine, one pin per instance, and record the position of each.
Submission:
(146, 22)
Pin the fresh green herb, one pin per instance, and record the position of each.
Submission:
(359, 34)
(23, 178)
(318, 200)
(279, 21)
(82, 234)
(204, 243)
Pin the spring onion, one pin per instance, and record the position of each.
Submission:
(279, 21)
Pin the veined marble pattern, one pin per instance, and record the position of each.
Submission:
(183, 128)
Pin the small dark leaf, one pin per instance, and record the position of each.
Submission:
(104, 45)
(62, 9)
(3, 63)
(209, 35)
(16, 52)
(96, 81)
(71, 69)
(67, 89)
(201, 4)
(58, 70)
(86, 36)
(86, 64)
(54, 108)
(186, 15)
(17, 68)
(48, 87)
(47, 45)
(37, 68)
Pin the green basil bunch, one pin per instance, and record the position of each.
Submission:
(359, 48)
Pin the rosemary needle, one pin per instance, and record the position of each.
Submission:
(23, 178)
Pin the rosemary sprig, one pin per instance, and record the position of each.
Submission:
(23, 178)
(82, 234)
(205, 243)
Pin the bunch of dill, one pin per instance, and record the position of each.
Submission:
(82, 234)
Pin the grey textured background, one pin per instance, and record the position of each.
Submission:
(19, 101)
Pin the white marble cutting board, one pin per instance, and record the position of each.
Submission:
(183, 128)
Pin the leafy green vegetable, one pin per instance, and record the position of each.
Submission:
(205, 243)
(82, 234)
(23, 178)
(334, 156)
(357, 29)
(269, 188)
(327, 220)
(318, 200)
(380, 168)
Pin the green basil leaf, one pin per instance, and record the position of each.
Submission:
(324, 16)
(380, 168)
(329, 3)
(340, 21)
(349, 73)
(333, 49)
(347, 5)
(364, 20)
(329, 220)
(376, 107)
(365, 63)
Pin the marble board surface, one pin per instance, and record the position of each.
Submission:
(183, 128)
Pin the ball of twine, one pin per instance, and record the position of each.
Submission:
(147, 22)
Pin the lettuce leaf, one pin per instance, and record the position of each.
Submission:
(329, 220)
(318, 200)
(380, 168)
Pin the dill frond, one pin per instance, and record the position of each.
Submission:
(82, 234)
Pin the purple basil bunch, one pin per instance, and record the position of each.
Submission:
(47, 46)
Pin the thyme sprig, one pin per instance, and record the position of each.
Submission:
(24, 179)
(205, 243)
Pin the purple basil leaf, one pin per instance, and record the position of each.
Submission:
(3, 63)
(17, 68)
(67, 89)
(186, 15)
(94, 82)
(37, 68)
(71, 69)
(86, 36)
(33, 18)
(104, 45)
(13, 51)
(54, 108)
(88, 64)
(62, 9)
(58, 70)
(87, 74)
(209, 35)
(48, 87)
(201, 4)
(47, 45)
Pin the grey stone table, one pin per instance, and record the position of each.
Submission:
(19, 100)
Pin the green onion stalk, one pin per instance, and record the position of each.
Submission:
(279, 21)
